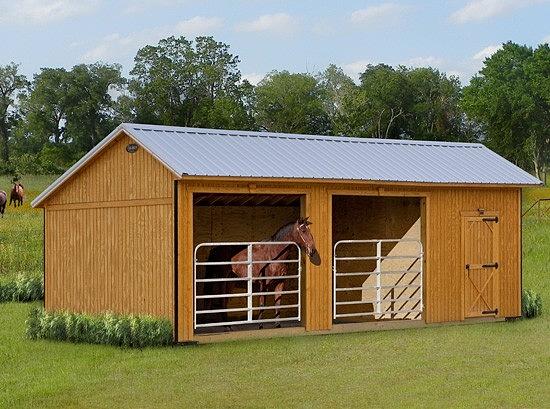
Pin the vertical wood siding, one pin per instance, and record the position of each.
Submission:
(109, 237)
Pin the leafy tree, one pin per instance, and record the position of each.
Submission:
(178, 82)
(91, 109)
(510, 98)
(12, 85)
(288, 102)
(336, 85)
(377, 108)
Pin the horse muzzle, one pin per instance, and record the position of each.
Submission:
(314, 257)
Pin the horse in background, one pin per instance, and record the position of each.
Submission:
(297, 232)
(17, 194)
(3, 201)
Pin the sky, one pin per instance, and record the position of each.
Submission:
(297, 35)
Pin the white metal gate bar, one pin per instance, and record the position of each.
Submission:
(250, 280)
(378, 273)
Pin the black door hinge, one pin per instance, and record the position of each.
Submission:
(495, 311)
(490, 219)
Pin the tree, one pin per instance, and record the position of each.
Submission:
(47, 104)
(377, 108)
(178, 82)
(336, 86)
(288, 102)
(11, 85)
(435, 112)
(510, 98)
(90, 107)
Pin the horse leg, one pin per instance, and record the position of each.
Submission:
(262, 303)
(278, 296)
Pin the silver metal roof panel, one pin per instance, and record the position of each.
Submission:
(214, 152)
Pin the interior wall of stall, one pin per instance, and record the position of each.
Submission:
(242, 223)
(373, 217)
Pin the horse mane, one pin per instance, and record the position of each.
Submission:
(282, 232)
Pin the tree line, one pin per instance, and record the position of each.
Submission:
(49, 121)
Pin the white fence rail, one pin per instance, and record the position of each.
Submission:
(408, 303)
(293, 310)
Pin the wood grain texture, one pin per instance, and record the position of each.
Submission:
(109, 237)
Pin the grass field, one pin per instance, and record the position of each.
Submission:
(486, 365)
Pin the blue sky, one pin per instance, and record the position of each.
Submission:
(300, 36)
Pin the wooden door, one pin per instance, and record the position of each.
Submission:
(481, 265)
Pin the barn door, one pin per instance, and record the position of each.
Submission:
(481, 265)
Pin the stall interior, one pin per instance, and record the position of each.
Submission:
(242, 218)
(377, 258)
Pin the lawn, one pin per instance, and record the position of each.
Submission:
(487, 365)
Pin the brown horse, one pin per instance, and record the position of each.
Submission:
(297, 232)
(17, 194)
(3, 201)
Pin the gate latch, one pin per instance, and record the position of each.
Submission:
(495, 311)
(491, 219)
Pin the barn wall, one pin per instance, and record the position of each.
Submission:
(109, 236)
(441, 211)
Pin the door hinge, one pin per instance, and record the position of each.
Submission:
(490, 265)
(495, 311)
(467, 266)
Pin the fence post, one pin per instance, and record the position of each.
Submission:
(249, 283)
(378, 277)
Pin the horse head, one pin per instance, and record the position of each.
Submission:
(304, 239)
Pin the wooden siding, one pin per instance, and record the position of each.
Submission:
(109, 237)
(441, 209)
(116, 175)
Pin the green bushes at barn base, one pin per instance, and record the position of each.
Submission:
(531, 304)
(23, 288)
(120, 330)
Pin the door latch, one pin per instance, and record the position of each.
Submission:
(490, 265)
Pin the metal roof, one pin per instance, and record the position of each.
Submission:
(214, 152)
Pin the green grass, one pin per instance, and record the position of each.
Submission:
(21, 230)
(486, 365)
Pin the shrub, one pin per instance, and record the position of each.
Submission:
(531, 304)
(23, 288)
(121, 330)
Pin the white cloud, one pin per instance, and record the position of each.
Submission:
(379, 14)
(478, 10)
(43, 11)
(198, 25)
(116, 45)
(279, 22)
(140, 6)
(486, 52)
(428, 61)
(254, 78)
(546, 40)
(356, 68)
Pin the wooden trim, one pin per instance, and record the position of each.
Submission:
(346, 181)
(112, 204)
(44, 212)
(520, 249)
(175, 261)
(185, 264)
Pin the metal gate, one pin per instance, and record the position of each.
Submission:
(395, 293)
(293, 310)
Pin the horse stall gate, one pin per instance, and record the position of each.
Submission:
(227, 224)
(378, 258)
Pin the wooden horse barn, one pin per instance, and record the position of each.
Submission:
(409, 233)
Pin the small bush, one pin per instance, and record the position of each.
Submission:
(531, 304)
(121, 330)
(23, 288)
